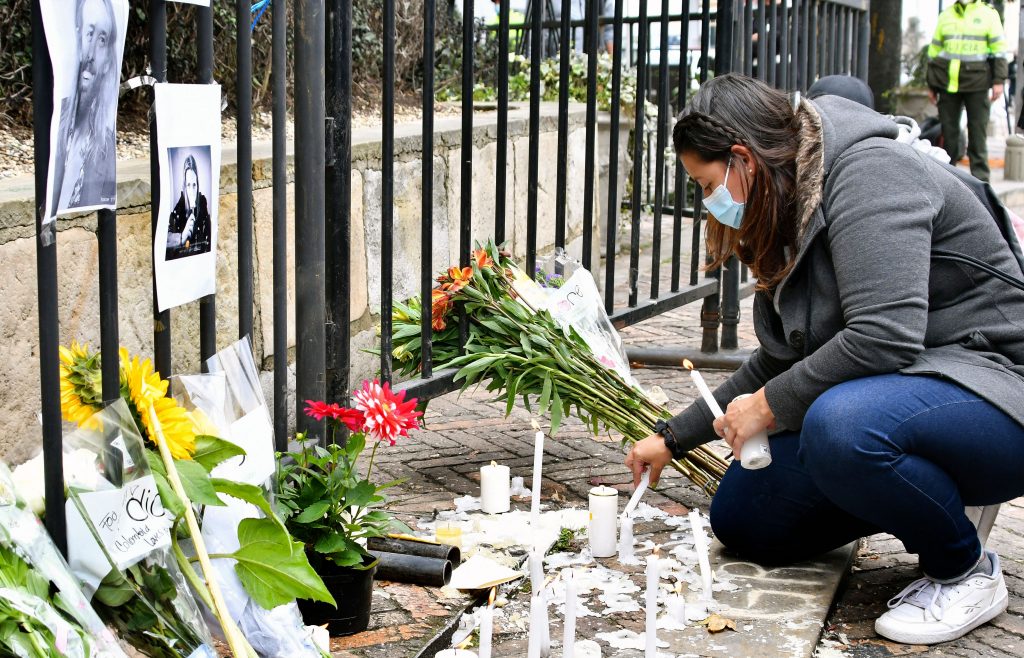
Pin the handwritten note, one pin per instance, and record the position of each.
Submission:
(130, 521)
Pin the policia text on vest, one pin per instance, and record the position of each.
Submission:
(966, 61)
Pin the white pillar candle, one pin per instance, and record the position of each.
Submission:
(487, 626)
(569, 625)
(536, 627)
(495, 488)
(626, 544)
(538, 464)
(700, 545)
(705, 392)
(651, 604)
(604, 508)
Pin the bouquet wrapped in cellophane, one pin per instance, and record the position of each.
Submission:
(526, 344)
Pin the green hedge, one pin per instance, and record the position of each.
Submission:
(16, 54)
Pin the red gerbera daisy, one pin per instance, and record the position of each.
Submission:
(387, 414)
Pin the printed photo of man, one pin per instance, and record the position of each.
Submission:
(85, 156)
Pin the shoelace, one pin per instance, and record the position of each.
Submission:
(924, 593)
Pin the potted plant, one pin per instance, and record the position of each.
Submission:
(331, 504)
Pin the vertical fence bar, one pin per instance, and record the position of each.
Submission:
(466, 202)
(773, 35)
(563, 125)
(46, 273)
(204, 57)
(864, 28)
(800, 38)
(680, 179)
(596, 47)
(748, 35)
(427, 201)
(705, 40)
(158, 56)
(310, 142)
(812, 43)
(762, 41)
(387, 214)
(338, 202)
(243, 79)
(833, 33)
(500, 178)
(106, 238)
(612, 221)
(279, 83)
(659, 172)
(784, 80)
(638, 155)
(730, 276)
(536, 13)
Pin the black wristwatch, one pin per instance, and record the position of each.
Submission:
(662, 428)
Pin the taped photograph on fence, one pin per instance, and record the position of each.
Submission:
(86, 43)
(188, 143)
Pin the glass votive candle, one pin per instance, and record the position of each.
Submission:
(448, 533)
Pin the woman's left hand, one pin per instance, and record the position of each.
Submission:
(743, 419)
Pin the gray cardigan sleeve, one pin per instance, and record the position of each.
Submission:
(879, 238)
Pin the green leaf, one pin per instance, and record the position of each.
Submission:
(313, 512)
(361, 495)
(556, 413)
(196, 483)
(245, 492)
(211, 451)
(545, 395)
(274, 569)
(168, 498)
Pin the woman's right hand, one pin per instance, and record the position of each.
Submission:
(648, 452)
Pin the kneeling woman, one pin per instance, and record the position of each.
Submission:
(892, 374)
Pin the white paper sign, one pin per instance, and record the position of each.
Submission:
(253, 433)
(86, 44)
(185, 245)
(130, 521)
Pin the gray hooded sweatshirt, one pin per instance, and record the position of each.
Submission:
(866, 295)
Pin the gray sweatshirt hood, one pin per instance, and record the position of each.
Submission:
(845, 123)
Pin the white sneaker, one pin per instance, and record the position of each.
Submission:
(928, 612)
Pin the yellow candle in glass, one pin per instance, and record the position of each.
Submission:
(448, 534)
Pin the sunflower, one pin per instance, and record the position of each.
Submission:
(144, 388)
(81, 393)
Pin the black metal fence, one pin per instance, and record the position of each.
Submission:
(789, 44)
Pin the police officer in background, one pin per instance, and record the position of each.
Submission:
(967, 68)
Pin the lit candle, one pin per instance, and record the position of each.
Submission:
(604, 507)
(495, 489)
(700, 545)
(487, 626)
(651, 603)
(569, 626)
(677, 605)
(705, 392)
(626, 551)
(538, 464)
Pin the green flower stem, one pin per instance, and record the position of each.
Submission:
(198, 586)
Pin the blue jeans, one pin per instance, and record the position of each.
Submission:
(893, 453)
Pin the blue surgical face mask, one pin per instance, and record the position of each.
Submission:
(722, 206)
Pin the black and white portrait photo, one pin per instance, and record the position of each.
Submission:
(189, 152)
(86, 42)
(188, 227)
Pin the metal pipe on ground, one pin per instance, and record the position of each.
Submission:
(673, 358)
(412, 569)
(418, 548)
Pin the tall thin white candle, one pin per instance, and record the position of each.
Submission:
(634, 500)
(626, 548)
(705, 392)
(651, 603)
(536, 627)
(538, 464)
(487, 626)
(700, 545)
(569, 627)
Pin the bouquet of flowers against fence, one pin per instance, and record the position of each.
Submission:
(559, 361)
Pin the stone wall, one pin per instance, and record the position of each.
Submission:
(78, 263)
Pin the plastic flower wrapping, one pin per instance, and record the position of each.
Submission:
(43, 612)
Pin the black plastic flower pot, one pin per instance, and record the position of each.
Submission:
(351, 588)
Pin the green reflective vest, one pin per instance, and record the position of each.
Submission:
(515, 20)
(966, 52)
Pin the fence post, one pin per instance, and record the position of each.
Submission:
(731, 271)
(279, 83)
(339, 201)
(310, 300)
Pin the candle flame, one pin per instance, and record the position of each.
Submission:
(688, 364)
(494, 463)
(657, 549)
(679, 588)
(490, 598)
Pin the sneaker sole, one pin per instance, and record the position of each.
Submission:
(993, 611)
